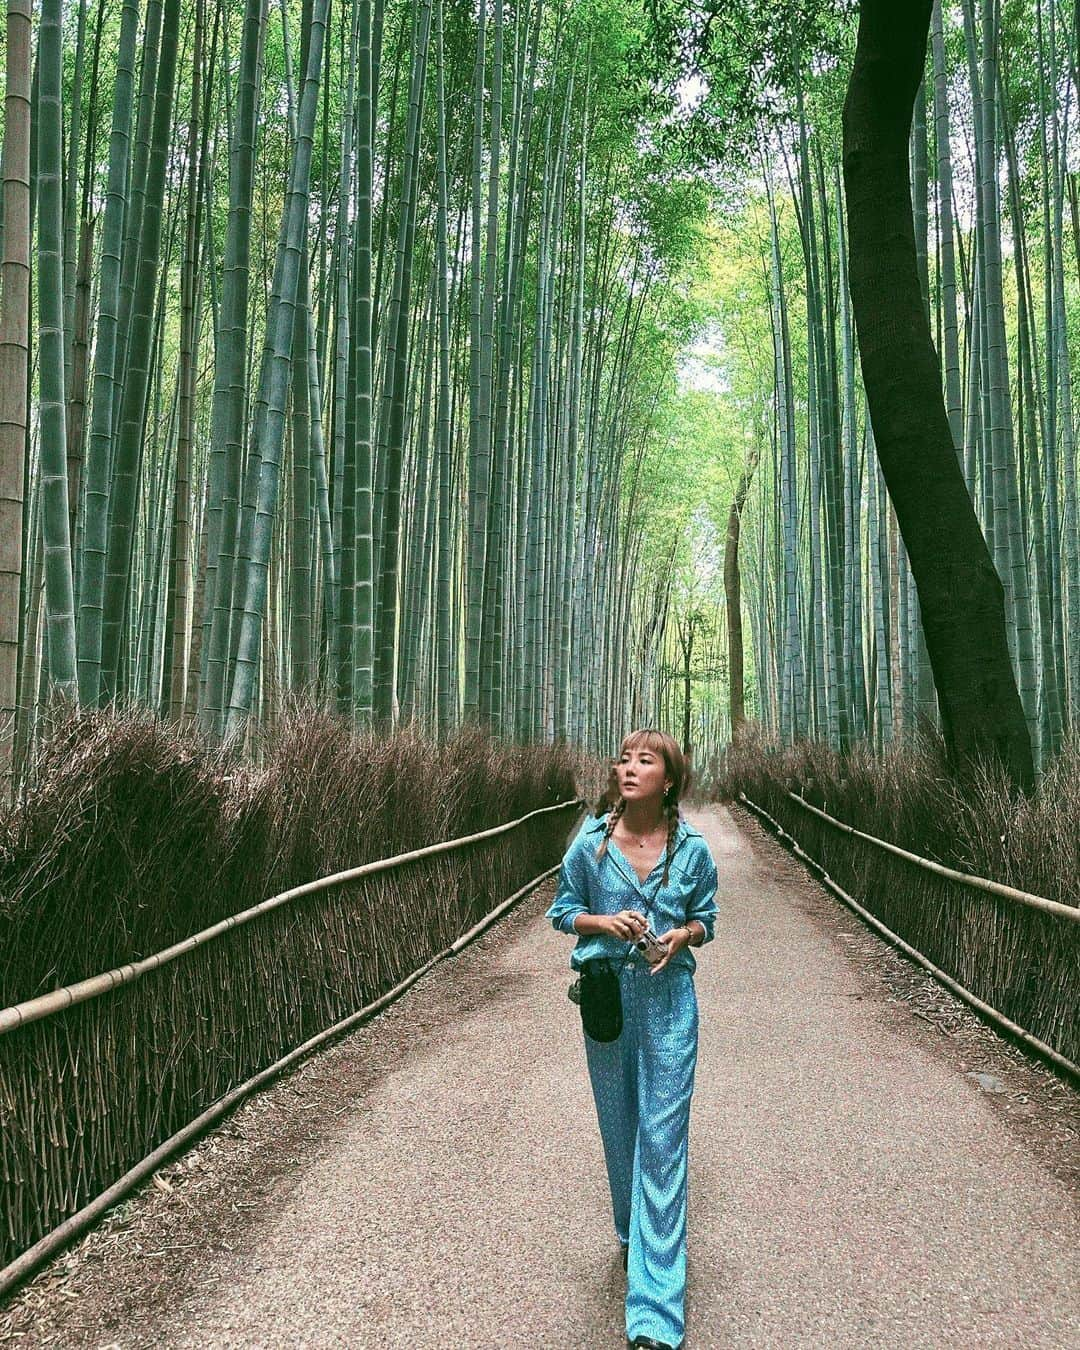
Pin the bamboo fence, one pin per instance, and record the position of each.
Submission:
(1017, 954)
(94, 1077)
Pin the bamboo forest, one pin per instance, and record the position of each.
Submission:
(498, 364)
(455, 457)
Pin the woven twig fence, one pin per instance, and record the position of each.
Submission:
(88, 1089)
(1019, 954)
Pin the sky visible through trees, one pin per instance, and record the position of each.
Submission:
(456, 362)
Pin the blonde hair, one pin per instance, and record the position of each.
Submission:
(678, 770)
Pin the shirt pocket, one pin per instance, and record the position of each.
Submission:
(677, 894)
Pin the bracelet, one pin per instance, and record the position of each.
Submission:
(689, 935)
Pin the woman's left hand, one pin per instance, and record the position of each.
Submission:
(673, 940)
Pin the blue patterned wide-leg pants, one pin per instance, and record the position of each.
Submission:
(642, 1083)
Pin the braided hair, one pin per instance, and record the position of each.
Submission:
(614, 803)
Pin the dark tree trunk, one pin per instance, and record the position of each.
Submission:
(733, 595)
(960, 594)
(686, 642)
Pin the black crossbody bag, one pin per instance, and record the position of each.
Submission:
(598, 994)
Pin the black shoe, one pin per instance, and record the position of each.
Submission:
(650, 1344)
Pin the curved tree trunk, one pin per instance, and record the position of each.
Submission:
(960, 595)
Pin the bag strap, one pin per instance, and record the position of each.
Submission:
(630, 948)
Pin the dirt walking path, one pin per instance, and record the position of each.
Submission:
(860, 1176)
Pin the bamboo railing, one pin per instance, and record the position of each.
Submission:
(94, 1078)
(1071, 913)
(1013, 956)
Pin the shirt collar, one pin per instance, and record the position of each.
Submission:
(595, 828)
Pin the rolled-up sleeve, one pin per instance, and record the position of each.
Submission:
(572, 897)
(702, 904)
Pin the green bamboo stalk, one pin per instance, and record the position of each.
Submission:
(14, 366)
(132, 409)
(385, 672)
(106, 393)
(230, 382)
(59, 590)
(273, 385)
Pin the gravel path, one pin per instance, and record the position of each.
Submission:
(870, 1165)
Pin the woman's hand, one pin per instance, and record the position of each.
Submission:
(628, 924)
(673, 940)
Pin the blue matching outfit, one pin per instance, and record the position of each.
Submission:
(642, 1081)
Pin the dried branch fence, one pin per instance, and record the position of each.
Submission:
(94, 1077)
(1018, 954)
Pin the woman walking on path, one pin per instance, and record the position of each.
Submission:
(636, 865)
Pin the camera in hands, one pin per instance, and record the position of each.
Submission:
(651, 947)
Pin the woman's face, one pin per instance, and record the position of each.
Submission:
(642, 774)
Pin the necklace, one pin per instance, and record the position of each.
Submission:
(640, 842)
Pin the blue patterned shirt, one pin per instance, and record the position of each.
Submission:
(588, 885)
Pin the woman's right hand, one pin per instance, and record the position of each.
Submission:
(628, 924)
